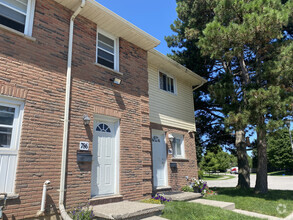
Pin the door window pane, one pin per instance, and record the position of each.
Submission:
(103, 128)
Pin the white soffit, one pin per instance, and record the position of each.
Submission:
(167, 65)
(112, 23)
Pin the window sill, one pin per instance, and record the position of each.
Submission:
(3, 27)
(10, 196)
(180, 159)
(107, 68)
(170, 93)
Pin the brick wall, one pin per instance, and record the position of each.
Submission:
(36, 71)
(186, 167)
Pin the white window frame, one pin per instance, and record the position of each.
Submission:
(116, 48)
(17, 123)
(174, 81)
(181, 137)
(29, 17)
(18, 104)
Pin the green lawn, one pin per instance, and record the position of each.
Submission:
(207, 177)
(193, 211)
(280, 173)
(265, 204)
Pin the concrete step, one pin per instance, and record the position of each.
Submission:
(105, 199)
(127, 210)
(162, 190)
(182, 196)
(223, 205)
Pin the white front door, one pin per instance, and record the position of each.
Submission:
(104, 166)
(159, 158)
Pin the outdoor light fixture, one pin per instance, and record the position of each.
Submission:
(86, 120)
(288, 123)
(171, 138)
(116, 81)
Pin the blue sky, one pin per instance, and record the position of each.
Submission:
(152, 16)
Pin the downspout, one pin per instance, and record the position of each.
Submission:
(63, 212)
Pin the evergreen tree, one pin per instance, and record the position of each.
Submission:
(209, 162)
(247, 36)
(279, 150)
(244, 49)
(210, 113)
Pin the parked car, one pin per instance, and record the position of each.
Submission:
(234, 170)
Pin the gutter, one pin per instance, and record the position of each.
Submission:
(178, 65)
(63, 212)
(198, 86)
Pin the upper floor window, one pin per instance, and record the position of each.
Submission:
(167, 83)
(107, 50)
(17, 14)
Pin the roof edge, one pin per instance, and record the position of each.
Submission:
(142, 32)
(183, 68)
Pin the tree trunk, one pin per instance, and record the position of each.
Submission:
(261, 185)
(243, 165)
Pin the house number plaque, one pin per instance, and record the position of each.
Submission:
(84, 146)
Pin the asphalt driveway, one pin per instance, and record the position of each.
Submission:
(275, 182)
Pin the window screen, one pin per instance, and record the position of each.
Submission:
(13, 13)
(166, 83)
(106, 51)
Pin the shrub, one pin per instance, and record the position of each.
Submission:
(208, 192)
(82, 213)
(161, 198)
(200, 174)
(187, 189)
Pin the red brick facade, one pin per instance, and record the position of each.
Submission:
(186, 166)
(35, 71)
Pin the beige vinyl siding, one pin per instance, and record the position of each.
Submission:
(169, 109)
